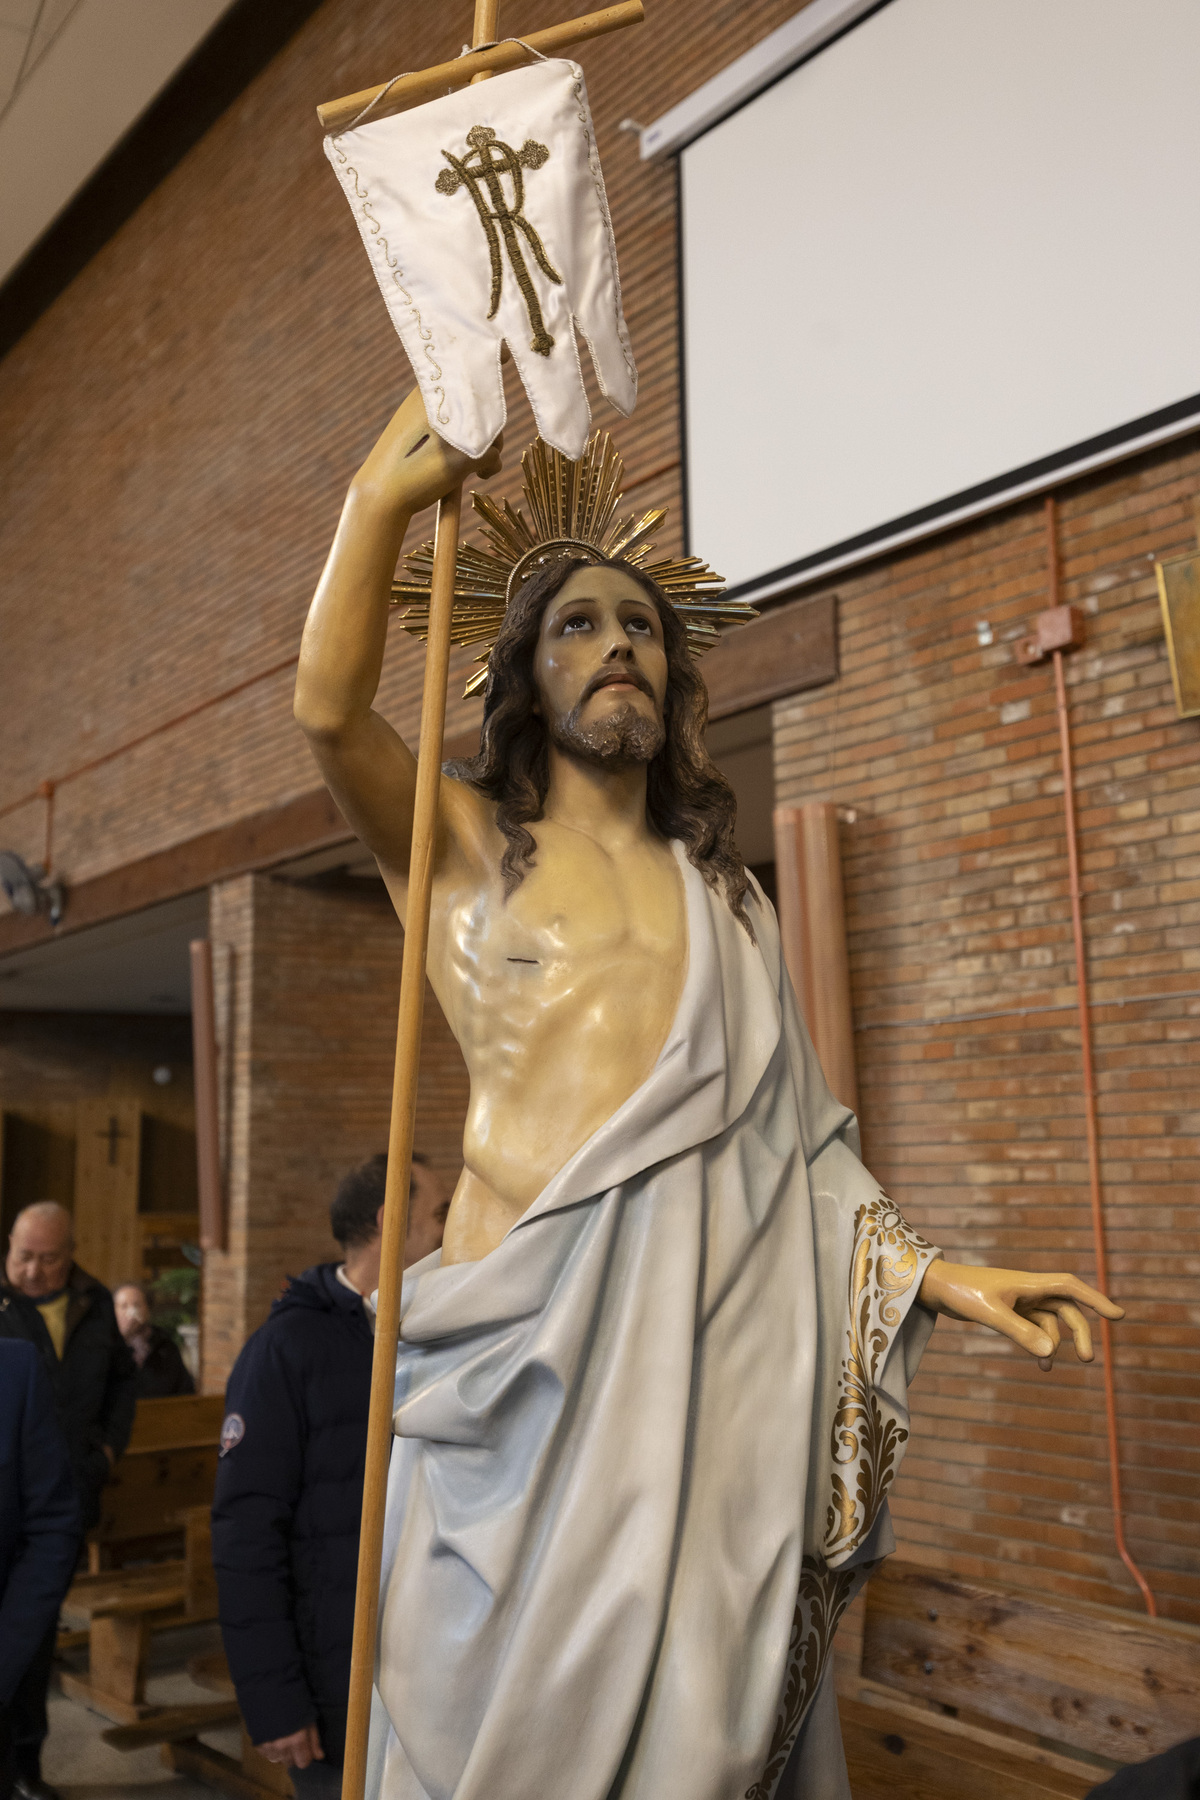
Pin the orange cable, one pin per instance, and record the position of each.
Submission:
(1089, 1084)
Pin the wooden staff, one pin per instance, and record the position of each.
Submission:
(427, 84)
(416, 941)
(400, 1146)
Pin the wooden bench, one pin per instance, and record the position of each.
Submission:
(119, 1608)
(253, 1777)
(997, 1691)
(169, 1465)
(177, 1729)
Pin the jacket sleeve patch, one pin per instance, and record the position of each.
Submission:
(233, 1430)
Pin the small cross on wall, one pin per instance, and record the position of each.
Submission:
(113, 1135)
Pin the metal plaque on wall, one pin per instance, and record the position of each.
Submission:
(1179, 591)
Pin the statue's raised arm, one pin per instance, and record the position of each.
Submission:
(369, 770)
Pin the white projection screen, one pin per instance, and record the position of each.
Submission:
(955, 251)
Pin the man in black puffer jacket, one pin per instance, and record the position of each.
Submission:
(289, 1487)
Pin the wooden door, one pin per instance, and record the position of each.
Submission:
(108, 1140)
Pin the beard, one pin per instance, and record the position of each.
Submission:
(620, 741)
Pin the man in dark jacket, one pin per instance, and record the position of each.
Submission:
(161, 1370)
(67, 1315)
(289, 1487)
(39, 1529)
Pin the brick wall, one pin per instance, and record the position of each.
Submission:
(175, 438)
(177, 432)
(308, 982)
(957, 902)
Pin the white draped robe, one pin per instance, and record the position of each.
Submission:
(667, 1404)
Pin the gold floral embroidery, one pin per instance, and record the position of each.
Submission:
(865, 1440)
(349, 175)
(487, 160)
(822, 1600)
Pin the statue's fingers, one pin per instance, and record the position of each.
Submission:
(1080, 1330)
(1022, 1331)
(1088, 1296)
(1049, 1324)
(1108, 1309)
(1034, 1287)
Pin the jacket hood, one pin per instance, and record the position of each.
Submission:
(317, 1290)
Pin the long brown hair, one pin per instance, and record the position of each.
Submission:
(687, 797)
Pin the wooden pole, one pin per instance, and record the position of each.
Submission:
(204, 1062)
(427, 84)
(400, 1145)
(404, 1106)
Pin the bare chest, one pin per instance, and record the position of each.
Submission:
(590, 945)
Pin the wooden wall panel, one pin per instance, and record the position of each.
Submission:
(50, 1063)
(790, 649)
(107, 1169)
(37, 1160)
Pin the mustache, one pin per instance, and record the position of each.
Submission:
(606, 677)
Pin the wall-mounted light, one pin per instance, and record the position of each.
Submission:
(28, 890)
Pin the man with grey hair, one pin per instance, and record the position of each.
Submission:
(68, 1316)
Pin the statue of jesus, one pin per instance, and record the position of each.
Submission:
(652, 1393)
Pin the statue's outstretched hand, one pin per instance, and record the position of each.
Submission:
(1030, 1309)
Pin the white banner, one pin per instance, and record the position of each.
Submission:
(485, 218)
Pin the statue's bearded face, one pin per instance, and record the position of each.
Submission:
(601, 669)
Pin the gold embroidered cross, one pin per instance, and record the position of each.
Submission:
(484, 165)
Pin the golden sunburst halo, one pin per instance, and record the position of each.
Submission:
(572, 512)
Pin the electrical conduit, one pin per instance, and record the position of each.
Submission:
(1089, 1081)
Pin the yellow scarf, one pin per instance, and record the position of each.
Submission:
(55, 1314)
